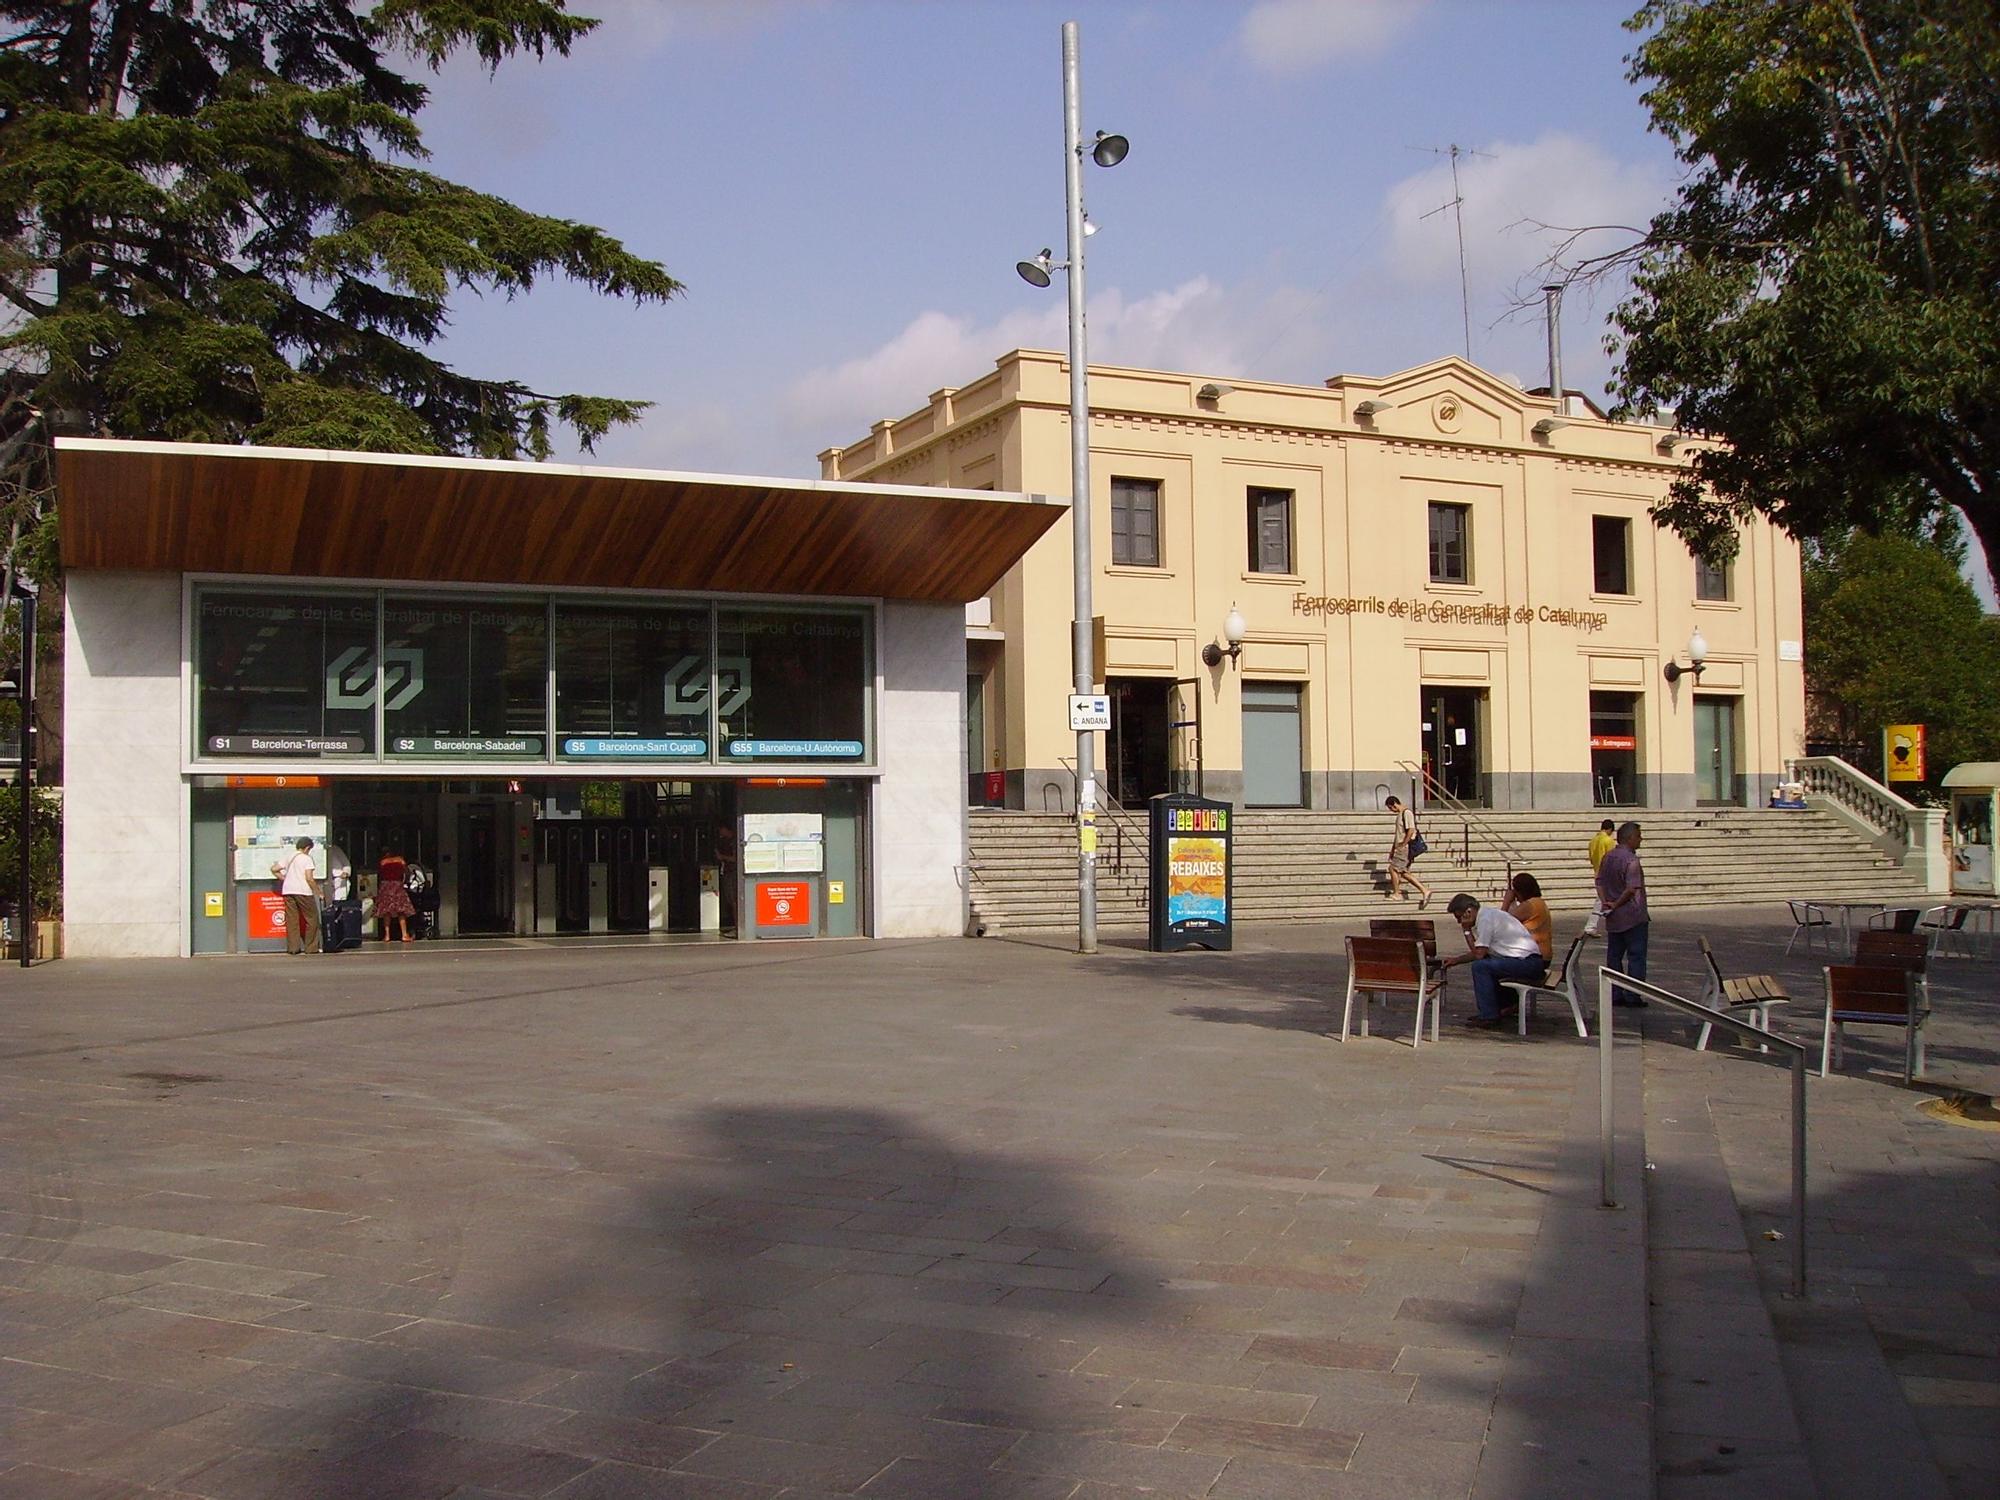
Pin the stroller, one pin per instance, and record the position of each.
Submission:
(424, 899)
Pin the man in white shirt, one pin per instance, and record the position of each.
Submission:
(300, 887)
(1498, 947)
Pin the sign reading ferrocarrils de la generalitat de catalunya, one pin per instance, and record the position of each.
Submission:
(1452, 612)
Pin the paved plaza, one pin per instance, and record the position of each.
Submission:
(965, 1219)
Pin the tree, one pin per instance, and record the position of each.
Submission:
(213, 228)
(1824, 293)
(1895, 635)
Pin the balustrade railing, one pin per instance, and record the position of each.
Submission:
(1913, 835)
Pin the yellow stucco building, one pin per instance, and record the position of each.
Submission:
(1435, 572)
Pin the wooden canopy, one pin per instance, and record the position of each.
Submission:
(185, 507)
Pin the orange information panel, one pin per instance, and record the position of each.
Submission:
(784, 903)
(267, 915)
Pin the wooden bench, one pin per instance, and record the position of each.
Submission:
(1908, 951)
(1387, 966)
(1751, 992)
(1421, 929)
(1874, 995)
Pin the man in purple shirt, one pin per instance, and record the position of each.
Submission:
(1621, 892)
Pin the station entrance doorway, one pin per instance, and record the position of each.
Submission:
(550, 858)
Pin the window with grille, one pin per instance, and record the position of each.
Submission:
(1712, 581)
(1451, 542)
(1611, 554)
(1270, 531)
(1135, 522)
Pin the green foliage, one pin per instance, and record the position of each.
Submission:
(214, 226)
(44, 849)
(1824, 294)
(1894, 635)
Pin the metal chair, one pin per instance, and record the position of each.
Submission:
(1560, 985)
(1807, 919)
(1874, 995)
(1945, 927)
(1756, 993)
(1388, 966)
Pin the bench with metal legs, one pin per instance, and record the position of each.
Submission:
(1756, 993)
(1560, 985)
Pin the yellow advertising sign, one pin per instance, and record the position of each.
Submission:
(1903, 752)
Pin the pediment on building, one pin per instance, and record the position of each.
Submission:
(1447, 399)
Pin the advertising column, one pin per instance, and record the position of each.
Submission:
(1193, 878)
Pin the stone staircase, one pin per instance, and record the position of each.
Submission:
(1304, 866)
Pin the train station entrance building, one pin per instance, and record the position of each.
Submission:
(577, 700)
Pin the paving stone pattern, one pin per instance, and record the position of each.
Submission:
(1885, 1379)
(976, 1219)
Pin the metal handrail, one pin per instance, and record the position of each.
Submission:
(1511, 857)
(1123, 821)
(1609, 979)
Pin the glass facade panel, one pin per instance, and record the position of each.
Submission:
(295, 674)
(465, 677)
(284, 673)
(631, 683)
(793, 684)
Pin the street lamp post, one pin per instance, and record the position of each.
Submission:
(1106, 151)
(1082, 647)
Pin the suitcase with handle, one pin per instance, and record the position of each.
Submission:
(340, 926)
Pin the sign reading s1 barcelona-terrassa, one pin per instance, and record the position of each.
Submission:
(1193, 875)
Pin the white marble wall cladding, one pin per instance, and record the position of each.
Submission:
(124, 822)
(920, 800)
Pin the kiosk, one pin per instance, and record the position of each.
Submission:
(1975, 809)
(1193, 874)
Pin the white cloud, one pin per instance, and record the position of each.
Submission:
(635, 29)
(1198, 326)
(1296, 36)
(1557, 179)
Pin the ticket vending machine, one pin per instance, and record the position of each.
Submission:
(783, 874)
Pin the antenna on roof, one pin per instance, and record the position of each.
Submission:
(1457, 206)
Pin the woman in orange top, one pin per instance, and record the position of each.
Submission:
(1525, 905)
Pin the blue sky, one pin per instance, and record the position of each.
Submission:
(845, 188)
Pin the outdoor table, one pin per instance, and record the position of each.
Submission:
(1847, 909)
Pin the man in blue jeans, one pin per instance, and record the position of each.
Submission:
(1621, 893)
(1498, 947)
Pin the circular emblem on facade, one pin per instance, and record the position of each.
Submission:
(1446, 412)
